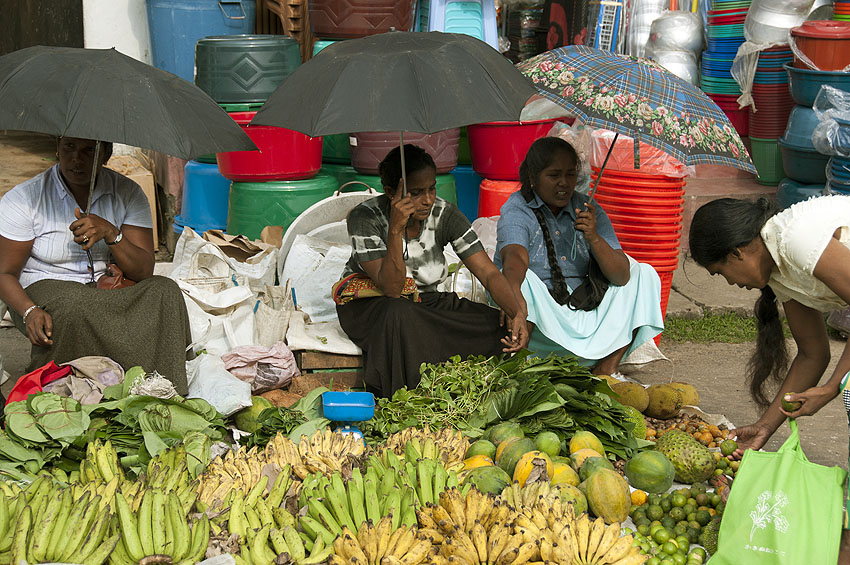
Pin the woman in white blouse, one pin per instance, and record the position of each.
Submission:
(52, 252)
(801, 258)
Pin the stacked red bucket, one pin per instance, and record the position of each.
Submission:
(773, 104)
(646, 212)
(497, 150)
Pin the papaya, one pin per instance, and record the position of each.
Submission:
(571, 494)
(504, 430)
(489, 480)
(586, 440)
(481, 447)
(548, 442)
(511, 455)
(582, 455)
(608, 495)
(534, 465)
(504, 445)
(564, 475)
(477, 461)
(650, 471)
(593, 464)
(561, 459)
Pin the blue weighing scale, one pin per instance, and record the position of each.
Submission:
(344, 409)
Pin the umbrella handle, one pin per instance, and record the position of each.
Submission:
(605, 162)
(403, 168)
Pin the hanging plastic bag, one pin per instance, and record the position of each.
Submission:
(220, 318)
(782, 510)
(274, 309)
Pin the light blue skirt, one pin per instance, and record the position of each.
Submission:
(593, 335)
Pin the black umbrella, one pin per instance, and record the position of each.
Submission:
(398, 81)
(104, 95)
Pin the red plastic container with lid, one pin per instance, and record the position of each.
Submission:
(492, 194)
(283, 154)
(825, 42)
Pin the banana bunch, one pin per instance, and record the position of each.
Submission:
(427, 477)
(270, 544)
(446, 445)
(170, 471)
(530, 494)
(239, 469)
(247, 513)
(326, 451)
(597, 544)
(160, 527)
(382, 544)
(43, 524)
(101, 463)
(332, 504)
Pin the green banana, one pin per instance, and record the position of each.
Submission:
(316, 530)
(278, 542)
(294, 543)
(77, 534)
(280, 486)
(308, 543)
(337, 498)
(41, 535)
(373, 509)
(260, 552)
(158, 519)
(452, 480)
(256, 491)
(356, 498)
(387, 483)
(266, 516)
(129, 529)
(426, 482)
(325, 516)
(5, 521)
(19, 541)
(93, 540)
(236, 522)
(75, 517)
(103, 551)
(182, 535)
(440, 478)
(253, 518)
(200, 539)
(282, 517)
(145, 523)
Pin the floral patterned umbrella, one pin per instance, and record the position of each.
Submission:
(638, 98)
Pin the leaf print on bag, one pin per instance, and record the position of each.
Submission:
(765, 512)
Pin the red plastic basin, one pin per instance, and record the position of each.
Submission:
(283, 154)
(498, 148)
(492, 194)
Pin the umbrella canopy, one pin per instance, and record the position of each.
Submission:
(398, 81)
(104, 95)
(638, 98)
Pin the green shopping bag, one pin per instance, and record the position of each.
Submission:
(782, 509)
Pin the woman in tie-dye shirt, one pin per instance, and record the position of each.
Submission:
(395, 239)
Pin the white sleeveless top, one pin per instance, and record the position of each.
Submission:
(796, 238)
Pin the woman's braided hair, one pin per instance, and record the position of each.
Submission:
(719, 228)
(591, 291)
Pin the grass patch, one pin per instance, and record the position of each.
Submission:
(722, 328)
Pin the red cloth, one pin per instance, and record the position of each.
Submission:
(33, 382)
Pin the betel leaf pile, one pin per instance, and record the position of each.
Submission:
(553, 393)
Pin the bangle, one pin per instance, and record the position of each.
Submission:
(27, 312)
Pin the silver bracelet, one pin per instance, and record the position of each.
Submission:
(27, 312)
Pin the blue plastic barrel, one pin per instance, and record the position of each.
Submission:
(205, 198)
(468, 183)
(177, 25)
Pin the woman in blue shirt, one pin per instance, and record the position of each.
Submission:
(559, 252)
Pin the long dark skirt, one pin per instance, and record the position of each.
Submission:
(397, 335)
(145, 324)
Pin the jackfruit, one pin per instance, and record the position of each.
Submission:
(664, 402)
(632, 394)
(690, 396)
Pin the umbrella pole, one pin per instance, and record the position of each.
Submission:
(403, 168)
(93, 175)
(605, 162)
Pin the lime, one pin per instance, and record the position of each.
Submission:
(654, 512)
(670, 547)
(666, 505)
(728, 447)
(703, 517)
(716, 499)
(678, 500)
(790, 406)
(697, 552)
(677, 514)
(661, 535)
(653, 561)
(679, 559)
(683, 542)
(690, 507)
(643, 529)
(667, 562)
(668, 522)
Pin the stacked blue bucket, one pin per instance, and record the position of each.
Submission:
(725, 33)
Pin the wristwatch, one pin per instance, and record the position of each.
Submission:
(118, 238)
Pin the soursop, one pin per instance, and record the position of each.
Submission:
(633, 415)
(708, 537)
(693, 461)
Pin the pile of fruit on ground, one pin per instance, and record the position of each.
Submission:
(542, 463)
